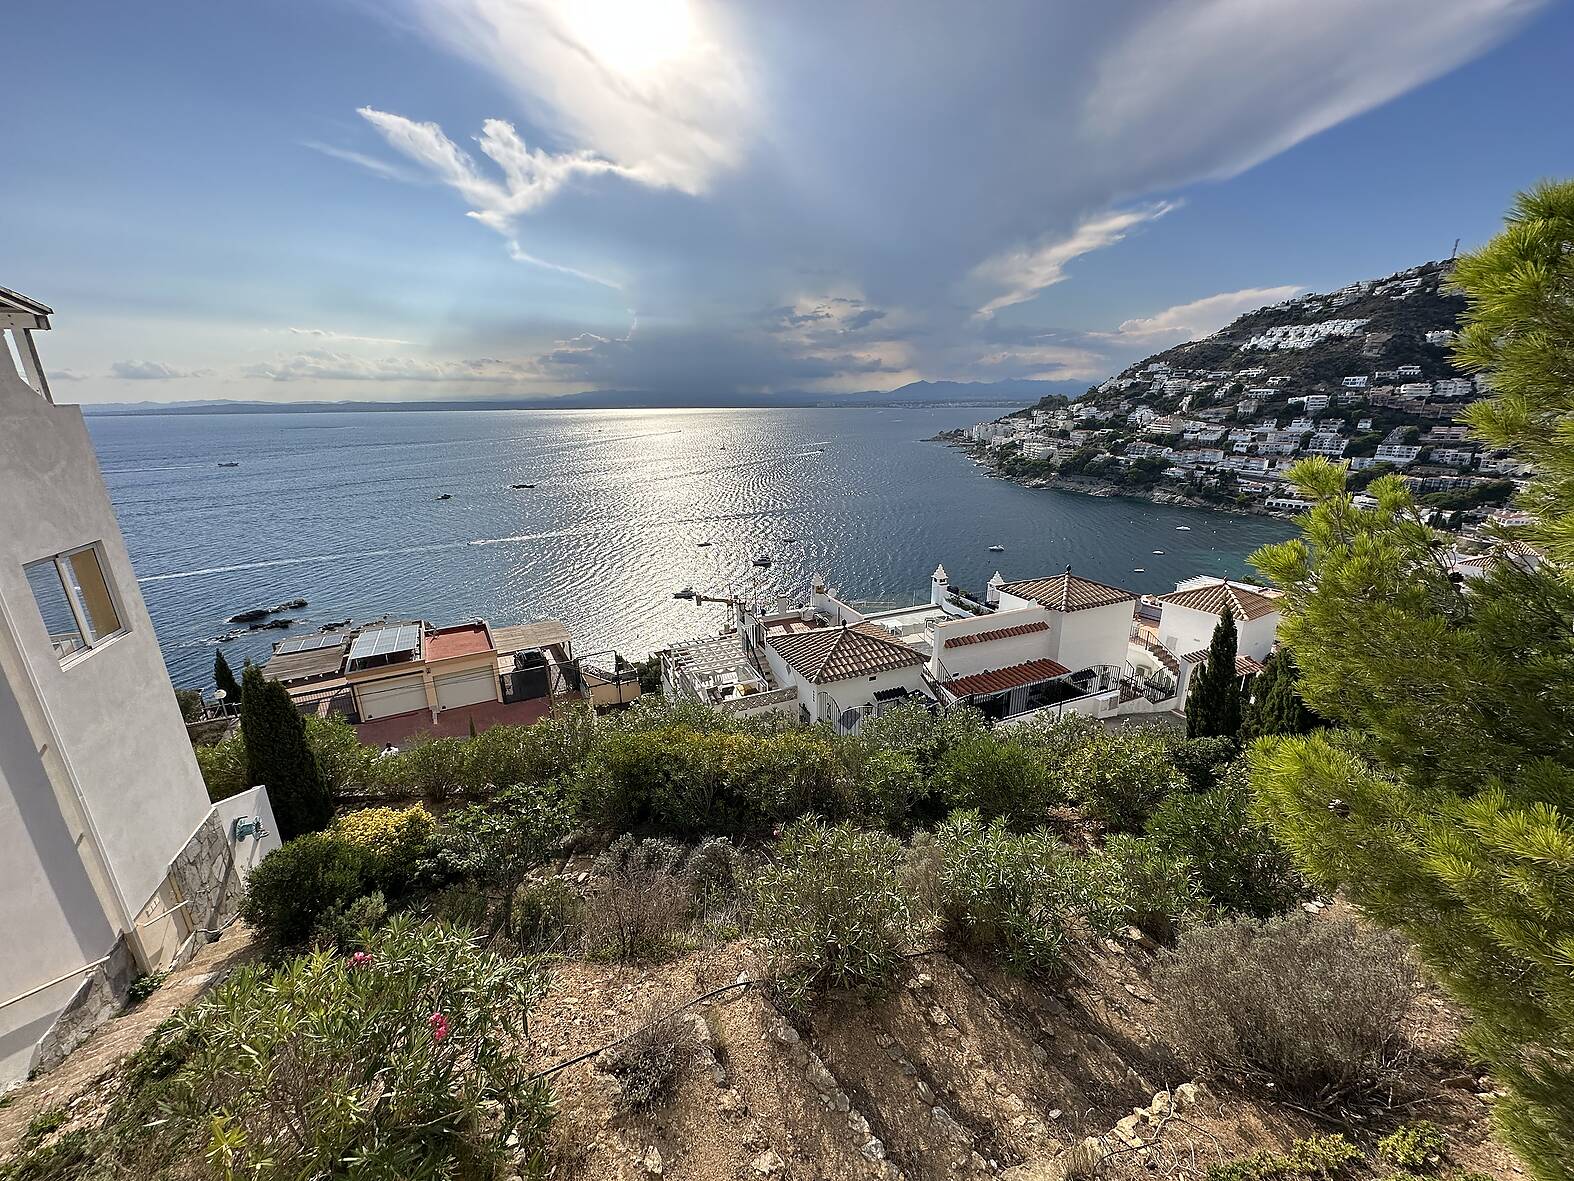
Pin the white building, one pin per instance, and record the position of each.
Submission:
(112, 860)
(1354, 382)
(1400, 454)
(1051, 646)
(1189, 614)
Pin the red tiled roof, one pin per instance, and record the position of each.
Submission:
(1244, 604)
(1000, 633)
(1245, 666)
(466, 639)
(1068, 592)
(1000, 680)
(830, 654)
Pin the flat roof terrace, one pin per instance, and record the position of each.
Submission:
(465, 639)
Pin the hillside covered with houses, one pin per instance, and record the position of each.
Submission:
(1361, 375)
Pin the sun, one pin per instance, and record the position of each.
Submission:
(631, 37)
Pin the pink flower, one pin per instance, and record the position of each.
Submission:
(361, 959)
(439, 1025)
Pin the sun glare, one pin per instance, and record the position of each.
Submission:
(631, 37)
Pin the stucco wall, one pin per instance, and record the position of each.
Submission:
(51, 919)
(112, 711)
(1184, 629)
(991, 654)
(1097, 635)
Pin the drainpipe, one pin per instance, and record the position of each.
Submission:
(101, 872)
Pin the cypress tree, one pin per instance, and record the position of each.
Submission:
(1213, 702)
(278, 757)
(224, 678)
(1276, 706)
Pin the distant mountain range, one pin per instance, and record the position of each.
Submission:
(918, 393)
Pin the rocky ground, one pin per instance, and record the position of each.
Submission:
(957, 1072)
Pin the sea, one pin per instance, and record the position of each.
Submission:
(416, 514)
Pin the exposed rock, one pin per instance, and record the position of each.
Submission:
(652, 1161)
(769, 1163)
(946, 1125)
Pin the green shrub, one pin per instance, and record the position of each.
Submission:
(145, 986)
(392, 842)
(830, 909)
(1003, 892)
(997, 776)
(402, 1060)
(886, 787)
(223, 766)
(1202, 761)
(1317, 1007)
(1317, 1158)
(1417, 1147)
(1240, 866)
(298, 883)
(547, 915)
(435, 767)
(346, 763)
(45, 1123)
(345, 927)
(1118, 776)
(1138, 882)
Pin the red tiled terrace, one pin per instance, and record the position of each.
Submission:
(454, 723)
(465, 639)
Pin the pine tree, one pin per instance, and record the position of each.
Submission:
(224, 678)
(278, 757)
(1213, 701)
(1276, 706)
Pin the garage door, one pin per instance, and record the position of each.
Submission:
(398, 695)
(468, 688)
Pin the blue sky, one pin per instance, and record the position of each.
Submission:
(412, 199)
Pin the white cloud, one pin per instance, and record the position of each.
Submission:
(152, 371)
(519, 254)
(652, 85)
(1208, 88)
(1202, 317)
(372, 164)
(323, 365)
(530, 177)
(1046, 362)
(66, 375)
(1024, 271)
(329, 334)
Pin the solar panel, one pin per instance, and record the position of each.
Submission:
(405, 637)
(309, 643)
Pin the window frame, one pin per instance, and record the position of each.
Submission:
(91, 641)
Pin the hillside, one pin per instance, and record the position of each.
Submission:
(1362, 374)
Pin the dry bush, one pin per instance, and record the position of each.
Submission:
(648, 1063)
(641, 903)
(1317, 1007)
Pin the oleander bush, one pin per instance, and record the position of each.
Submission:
(1118, 776)
(1318, 1007)
(1015, 895)
(830, 909)
(1135, 881)
(397, 1061)
(997, 776)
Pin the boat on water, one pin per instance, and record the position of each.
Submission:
(229, 463)
(1139, 569)
(1158, 551)
(521, 485)
(446, 496)
(764, 561)
(686, 592)
(702, 544)
(789, 541)
(1183, 528)
(997, 549)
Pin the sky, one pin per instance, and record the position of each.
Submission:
(305, 200)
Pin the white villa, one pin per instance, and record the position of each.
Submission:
(112, 860)
(1033, 648)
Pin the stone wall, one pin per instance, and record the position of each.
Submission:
(203, 873)
(96, 1001)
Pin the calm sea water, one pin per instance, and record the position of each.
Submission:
(343, 511)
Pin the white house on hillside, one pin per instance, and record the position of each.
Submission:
(1189, 614)
(112, 860)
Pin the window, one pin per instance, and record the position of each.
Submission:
(75, 600)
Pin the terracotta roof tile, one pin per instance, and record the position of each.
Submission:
(833, 654)
(1000, 633)
(1245, 666)
(1245, 604)
(1000, 680)
(1068, 592)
